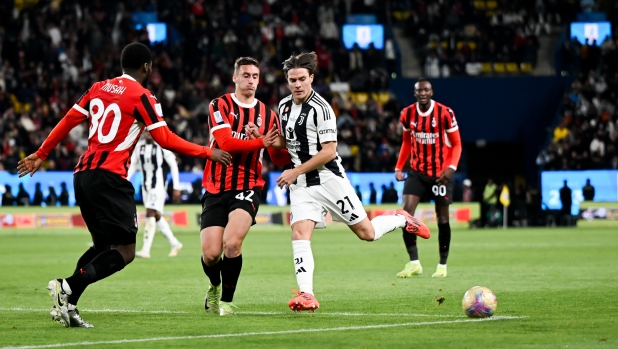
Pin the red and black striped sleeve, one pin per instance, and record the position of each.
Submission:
(78, 113)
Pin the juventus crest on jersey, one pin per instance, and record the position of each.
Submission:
(305, 128)
(148, 158)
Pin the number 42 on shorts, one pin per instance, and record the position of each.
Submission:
(242, 196)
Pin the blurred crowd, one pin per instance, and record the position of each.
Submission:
(453, 37)
(587, 135)
(53, 51)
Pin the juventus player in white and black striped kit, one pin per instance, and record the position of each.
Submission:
(317, 181)
(148, 157)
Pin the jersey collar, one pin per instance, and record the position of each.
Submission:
(244, 105)
(127, 76)
(429, 111)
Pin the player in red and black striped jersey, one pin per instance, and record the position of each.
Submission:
(233, 192)
(431, 138)
(117, 111)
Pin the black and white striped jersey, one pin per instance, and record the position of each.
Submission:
(148, 159)
(306, 127)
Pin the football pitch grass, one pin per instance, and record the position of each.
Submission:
(556, 288)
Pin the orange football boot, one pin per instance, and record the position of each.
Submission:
(303, 301)
(414, 226)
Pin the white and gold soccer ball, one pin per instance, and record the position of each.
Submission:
(479, 302)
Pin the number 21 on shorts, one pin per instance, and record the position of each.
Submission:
(439, 190)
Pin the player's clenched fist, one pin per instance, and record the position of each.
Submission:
(252, 131)
(221, 156)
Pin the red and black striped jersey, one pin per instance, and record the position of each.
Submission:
(431, 150)
(228, 117)
(117, 110)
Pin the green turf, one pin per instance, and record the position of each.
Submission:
(560, 281)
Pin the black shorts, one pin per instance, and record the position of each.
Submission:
(107, 203)
(217, 207)
(425, 187)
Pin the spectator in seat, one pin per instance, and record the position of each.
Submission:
(561, 132)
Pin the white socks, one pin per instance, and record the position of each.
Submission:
(149, 232)
(385, 224)
(164, 227)
(303, 265)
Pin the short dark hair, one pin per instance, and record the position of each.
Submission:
(307, 60)
(423, 79)
(240, 61)
(134, 55)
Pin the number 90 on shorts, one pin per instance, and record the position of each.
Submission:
(426, 188)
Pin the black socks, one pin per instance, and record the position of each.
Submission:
(101, 266)
(230, 271)
(213, 272)
(444, 241)
(410, 241)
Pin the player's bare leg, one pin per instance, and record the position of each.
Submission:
(238, 226)
(164, 228)
(303, 266)
(211, 239)
(413, 267)
(444, 239)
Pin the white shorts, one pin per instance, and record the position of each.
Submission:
(336, 196)
(154, 199)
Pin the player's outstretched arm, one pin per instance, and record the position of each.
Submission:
(33, 162)
(325, 155)
(168, 140)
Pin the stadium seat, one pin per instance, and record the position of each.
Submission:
(499, 68)
(359, 97)
(512, 67)
(486, 67)
(382, 97)
(444, 44)
(526, 67)
(472, 45)
(479, 4)
(491, 5)
(460, 44)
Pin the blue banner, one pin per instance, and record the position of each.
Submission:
(605, 183)
(53, 179)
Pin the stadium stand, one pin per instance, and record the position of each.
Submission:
(52, 52)
(469, 38)
(586, 136)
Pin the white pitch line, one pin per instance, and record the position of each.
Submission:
(103, 311)
(239, 313)
(246, 334)
(347, 314)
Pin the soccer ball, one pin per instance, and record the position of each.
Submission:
(479, 302)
